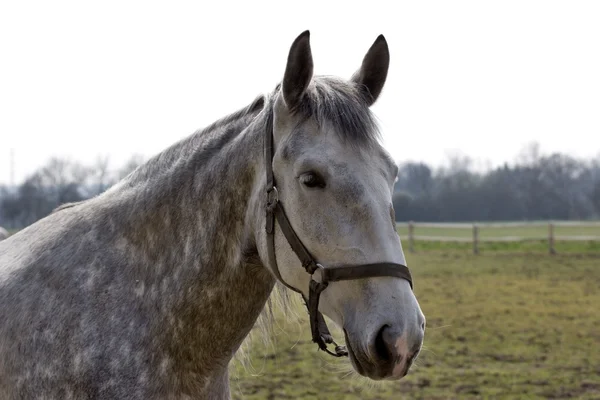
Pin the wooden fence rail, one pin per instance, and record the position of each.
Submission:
(476, 229)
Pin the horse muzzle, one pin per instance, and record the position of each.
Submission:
(387, 353)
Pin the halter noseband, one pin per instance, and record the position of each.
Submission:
(274, 208)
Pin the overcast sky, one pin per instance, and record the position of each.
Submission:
(80, 79)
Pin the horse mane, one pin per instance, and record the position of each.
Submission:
(330, 100)
(256, 106)
(67, 205)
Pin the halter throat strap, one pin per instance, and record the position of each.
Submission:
(274, 211)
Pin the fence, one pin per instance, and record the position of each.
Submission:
(499, 232)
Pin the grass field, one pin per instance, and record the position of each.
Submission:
(489, 231)
(515, 248)
(499, 325)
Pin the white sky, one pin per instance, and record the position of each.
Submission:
(81, 79)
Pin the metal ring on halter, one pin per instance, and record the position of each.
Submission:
(320, 268)
(272, 196)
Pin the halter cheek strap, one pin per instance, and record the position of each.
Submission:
(274, 211)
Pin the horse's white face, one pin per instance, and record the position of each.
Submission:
(338, 198)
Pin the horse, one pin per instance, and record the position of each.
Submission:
(147, 290)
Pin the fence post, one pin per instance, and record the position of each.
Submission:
(475, 239)
(551, 238)
(411, 236)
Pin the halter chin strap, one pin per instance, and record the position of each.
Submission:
(320, 332)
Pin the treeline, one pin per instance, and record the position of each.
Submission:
(59, 181)
(536, 187)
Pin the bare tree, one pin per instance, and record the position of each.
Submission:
(135, 161)
(101, 176)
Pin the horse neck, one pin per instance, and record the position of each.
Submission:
(191, 231)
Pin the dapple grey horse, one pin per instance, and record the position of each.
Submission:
(147, 290)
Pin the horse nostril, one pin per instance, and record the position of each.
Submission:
(422, 319)
(381, 344)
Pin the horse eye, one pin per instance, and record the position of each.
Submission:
(312, 180)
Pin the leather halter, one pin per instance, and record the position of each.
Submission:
(274, 208)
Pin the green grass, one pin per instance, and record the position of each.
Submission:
(527, 231)
(499, 325)
(515, 248)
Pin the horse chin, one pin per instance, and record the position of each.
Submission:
(352, 357)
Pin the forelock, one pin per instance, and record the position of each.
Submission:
(342, 106)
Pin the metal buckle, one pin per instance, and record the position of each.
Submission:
(272, 196)
(320, 275)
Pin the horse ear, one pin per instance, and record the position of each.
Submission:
(373, 71)
(298, 72)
